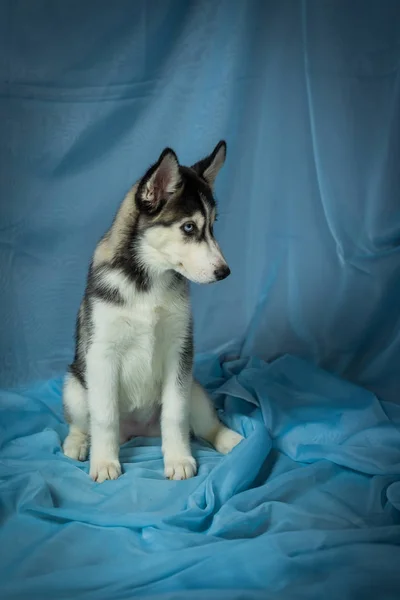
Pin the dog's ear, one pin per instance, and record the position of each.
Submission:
(160, 182)
(209, 167)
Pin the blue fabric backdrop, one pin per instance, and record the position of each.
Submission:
(307, 94)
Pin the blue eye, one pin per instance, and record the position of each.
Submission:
(188, 227)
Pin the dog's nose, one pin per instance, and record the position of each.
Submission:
(222, 272)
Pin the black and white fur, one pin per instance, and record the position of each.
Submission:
(132, 370)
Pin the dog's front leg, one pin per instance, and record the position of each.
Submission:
(102, 377)
(175, 429)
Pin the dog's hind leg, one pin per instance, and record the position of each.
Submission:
(76, 444)
(205, 424)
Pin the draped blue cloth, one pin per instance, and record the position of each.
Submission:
(306, 507)
(307, 95)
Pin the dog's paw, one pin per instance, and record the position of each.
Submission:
(179, 467)
(76, 447)
(101, 470)
(226, 439)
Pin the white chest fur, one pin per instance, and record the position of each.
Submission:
(139, 336)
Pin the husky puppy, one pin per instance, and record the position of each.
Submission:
(132, 370)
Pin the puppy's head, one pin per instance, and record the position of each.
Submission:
(177, 211)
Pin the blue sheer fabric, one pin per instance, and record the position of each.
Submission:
(307, 95)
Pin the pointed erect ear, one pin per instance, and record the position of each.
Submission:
(160, 182)
(209, 167)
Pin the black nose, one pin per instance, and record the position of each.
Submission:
(222, 272)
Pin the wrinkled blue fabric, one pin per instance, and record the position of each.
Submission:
(307, 95)
(307, 507)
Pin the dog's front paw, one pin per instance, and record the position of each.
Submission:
(76, 446)
(226, 439)
(101, 470)
(179, 467)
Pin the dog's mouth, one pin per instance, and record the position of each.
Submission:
(180, 268)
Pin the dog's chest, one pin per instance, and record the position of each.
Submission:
(141, 337)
